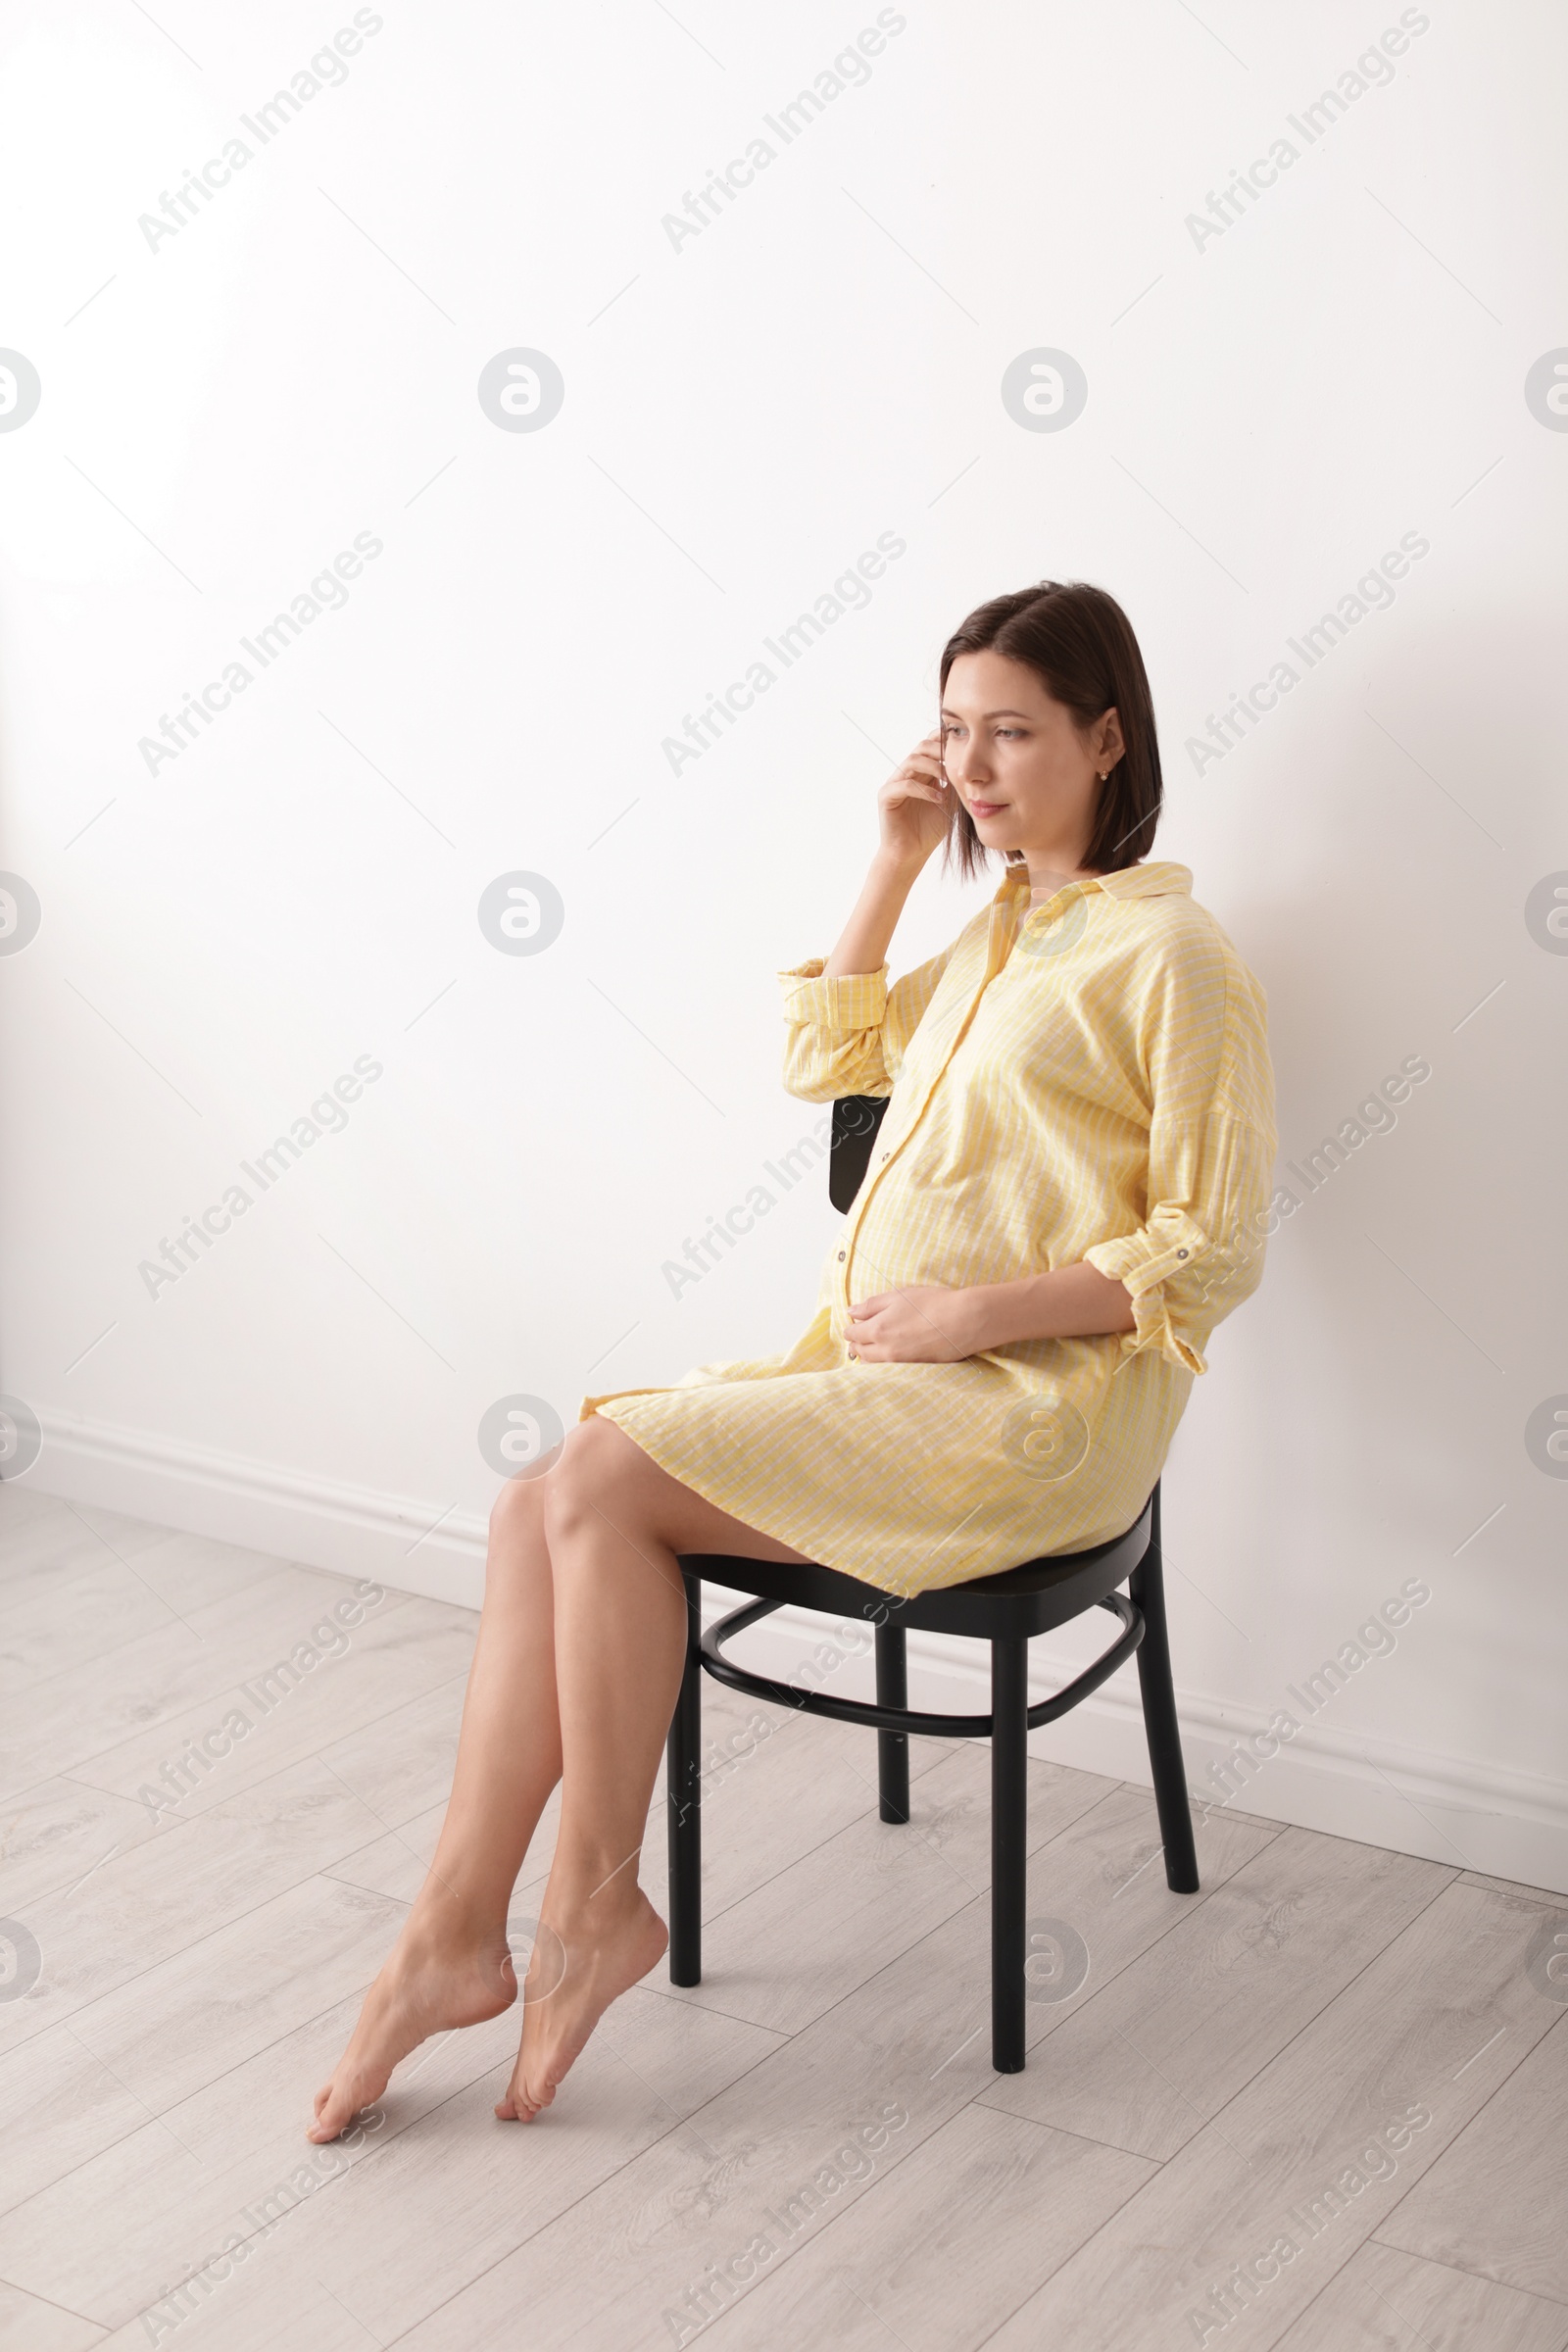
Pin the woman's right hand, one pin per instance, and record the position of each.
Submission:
(913, 805)
(912, 808)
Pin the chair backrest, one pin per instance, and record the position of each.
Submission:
(855, 1120)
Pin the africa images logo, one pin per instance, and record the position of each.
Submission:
(521, 390)
(19, 914)
(1546, 390)
(1045, 390)
(20, 390)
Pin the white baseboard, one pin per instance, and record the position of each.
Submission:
(1505, 1823)
(424, 1547)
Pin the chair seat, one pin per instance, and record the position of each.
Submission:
(1019, 1603)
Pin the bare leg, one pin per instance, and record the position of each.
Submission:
(615, 1522)
(451, 1965)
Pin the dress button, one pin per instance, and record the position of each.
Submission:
(1180, 1254)
(841, 1258)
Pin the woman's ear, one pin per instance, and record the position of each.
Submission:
(1109, 737)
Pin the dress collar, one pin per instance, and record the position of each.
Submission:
(1161, 879)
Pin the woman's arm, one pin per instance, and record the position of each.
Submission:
(864, 940)
(846, 1028)
(929, 1325)
(912, 812)
(1075, 1302)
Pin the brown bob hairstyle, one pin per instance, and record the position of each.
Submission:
(1080, 643)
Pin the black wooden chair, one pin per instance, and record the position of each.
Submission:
(1005, 1610)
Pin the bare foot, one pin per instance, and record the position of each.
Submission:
(593, 1954)
(430, 1984)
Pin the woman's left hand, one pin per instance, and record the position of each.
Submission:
(927, 1325)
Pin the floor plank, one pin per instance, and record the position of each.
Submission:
(268, 2304)
(268, 1718)
(1148, 2060)
(66, 1720)
(260, 2298)
(59, 2106)
(1496, 2202)
(975, 2219)
(1385, 2301)
(207, 2008)
(43, 1540)
(54, 1834)
(27, 2324)
(74, 1615)
(154, 1900)
(94, 1582)
(401, 1764)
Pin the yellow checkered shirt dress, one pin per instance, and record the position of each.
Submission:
(1089, 1079)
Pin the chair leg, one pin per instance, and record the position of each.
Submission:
(1010, 1847)
(892, 1747)
(1147, 1586)
(683, 1794)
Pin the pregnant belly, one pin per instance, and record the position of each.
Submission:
(913, 1235)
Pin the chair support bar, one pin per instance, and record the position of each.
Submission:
(906, 1719)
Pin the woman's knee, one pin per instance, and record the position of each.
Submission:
(593, 1467)
(516, 1517)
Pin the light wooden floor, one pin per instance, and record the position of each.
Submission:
(812, 2148)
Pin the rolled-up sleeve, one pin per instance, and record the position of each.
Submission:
(1199, 1250)
(847, 1035)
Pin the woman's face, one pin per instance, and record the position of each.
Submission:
(1019, 760)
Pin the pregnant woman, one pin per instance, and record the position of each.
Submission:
(1069, 1189)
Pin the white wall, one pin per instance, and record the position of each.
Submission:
(1270, 408)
